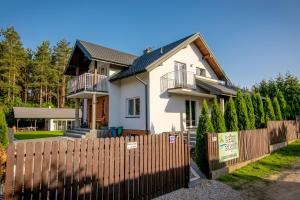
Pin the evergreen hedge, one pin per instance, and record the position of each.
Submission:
(204, 126)
(230, 116)
(242, 114)
(217, 118)
(269, 110)
(260, 113)
(277, 111)
(250, 110)
(282, 104)
(3, 129)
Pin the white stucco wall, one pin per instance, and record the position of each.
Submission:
(119, 92)
(167, 112)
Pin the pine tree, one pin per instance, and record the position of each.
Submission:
(217, 118)
(242, 114)
(231, 120)
(61, 54)
(204, 126)
(282, 104)
(250, 110)
(277, 110)
(12, 59)
(3, 129)
(270, 115)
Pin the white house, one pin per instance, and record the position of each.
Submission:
(161, 90)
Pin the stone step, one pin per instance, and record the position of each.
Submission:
(78, 131)
(74, 135)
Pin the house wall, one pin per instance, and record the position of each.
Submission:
(120, 91)
(100, 110)
(167, 112)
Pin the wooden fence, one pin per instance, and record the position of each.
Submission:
(253, 144)
(140, 167)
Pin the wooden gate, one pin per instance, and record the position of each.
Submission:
(140, 167)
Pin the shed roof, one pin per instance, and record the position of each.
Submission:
(44, 113)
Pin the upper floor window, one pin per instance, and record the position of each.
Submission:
(133, 107)
(201, 72)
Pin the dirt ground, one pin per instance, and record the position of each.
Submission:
(282, 186)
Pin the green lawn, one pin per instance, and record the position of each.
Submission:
(37, 134)
(276, 162)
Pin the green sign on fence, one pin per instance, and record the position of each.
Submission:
(228, 146)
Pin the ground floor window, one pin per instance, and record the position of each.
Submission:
(133, 107)
(63, 124)
(190, 111)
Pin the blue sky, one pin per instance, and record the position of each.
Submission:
(252, 40)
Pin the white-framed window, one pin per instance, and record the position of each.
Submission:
(201, 71)
(190, 111)
(133, 107)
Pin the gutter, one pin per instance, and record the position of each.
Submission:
(146, 101)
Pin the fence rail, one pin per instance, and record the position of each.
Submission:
(110, 168)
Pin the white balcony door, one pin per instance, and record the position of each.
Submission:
(180, 74)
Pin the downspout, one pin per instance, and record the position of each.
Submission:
(146, 101)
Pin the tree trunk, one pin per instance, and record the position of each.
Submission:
(63, 92)
(41, 95)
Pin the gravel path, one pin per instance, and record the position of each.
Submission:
(206, 189)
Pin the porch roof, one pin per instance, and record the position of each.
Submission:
(44, 113)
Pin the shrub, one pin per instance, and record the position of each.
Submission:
(242, 114)
(217, 118)
(277, 110)
(282, 104)
(204, 126)
(270, 115)
(250, 110)
(230, 115)
(2, 163)
(3, 129)
(260, 113)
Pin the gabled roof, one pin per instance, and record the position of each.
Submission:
(44, 113)
(98, 52)
(156, 57)
(142, 62)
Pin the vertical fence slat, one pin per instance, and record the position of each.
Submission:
(45, 170)
(82, 169)
(152, 184)
(106, 169)
(9, 178)
(19, 173)
(37, 170)
(136, 168)
(146, 172)
(131, 171)
(76, 169)
(28, 170)
(101, 168)
(160, 175)
(111, 168)
(122, 168)
(53, 170)
(61, 168)
(95, 168)
(141, 167)
(89, 167)
(117, 169)
(69, 165)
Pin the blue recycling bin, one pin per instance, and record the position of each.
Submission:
(113, 131)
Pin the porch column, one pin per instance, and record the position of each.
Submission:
(222, 107)
(94, 103)
(77, 124)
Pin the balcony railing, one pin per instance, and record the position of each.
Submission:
(87, 82)
(178, 79)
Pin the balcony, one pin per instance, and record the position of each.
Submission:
(178, 79)
(182, 82)
(85, 85)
